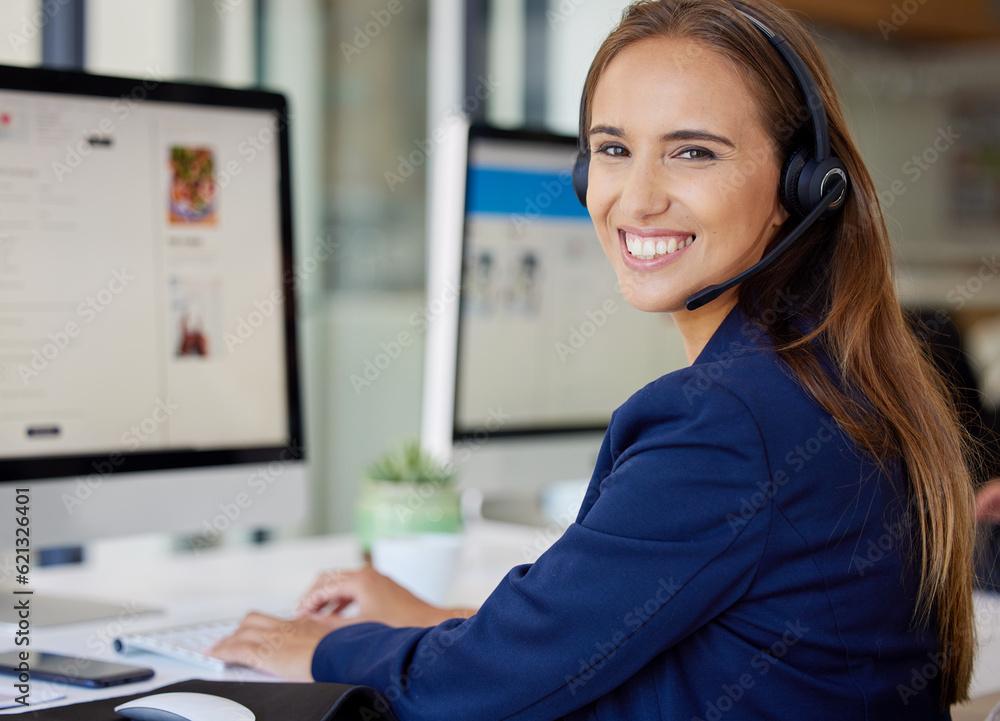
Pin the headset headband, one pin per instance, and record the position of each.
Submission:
(814, 101)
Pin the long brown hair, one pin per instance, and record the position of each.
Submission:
(888, 397)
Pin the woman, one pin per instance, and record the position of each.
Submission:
(781, 528)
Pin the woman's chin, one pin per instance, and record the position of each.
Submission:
(650, 303)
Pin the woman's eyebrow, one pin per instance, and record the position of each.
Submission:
(676, 135)
(702, 135)
(612, 130)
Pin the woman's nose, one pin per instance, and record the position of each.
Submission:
(645, 192)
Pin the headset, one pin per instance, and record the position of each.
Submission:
(813, 181)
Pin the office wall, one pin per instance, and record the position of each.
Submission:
(576, 30)
(132, 39)
(21, 25)
(901, 102)
(374, 118)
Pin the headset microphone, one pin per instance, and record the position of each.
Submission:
(813, 181)
(707, 295)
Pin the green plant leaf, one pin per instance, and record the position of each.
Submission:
(409, 463)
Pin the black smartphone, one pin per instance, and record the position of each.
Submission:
(53, 667)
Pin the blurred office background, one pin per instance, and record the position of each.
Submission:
(370, 80)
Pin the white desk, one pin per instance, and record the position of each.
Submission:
(226, 583)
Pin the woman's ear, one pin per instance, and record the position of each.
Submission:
(780, 214)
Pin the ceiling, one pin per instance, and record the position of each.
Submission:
(908, 20)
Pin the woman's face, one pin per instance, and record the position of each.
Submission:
(683, 183)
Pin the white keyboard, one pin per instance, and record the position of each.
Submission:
(184, 643)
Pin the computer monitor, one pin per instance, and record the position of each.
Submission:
(525, 368)
(148, 355)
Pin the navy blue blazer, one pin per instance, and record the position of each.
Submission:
(736, 557)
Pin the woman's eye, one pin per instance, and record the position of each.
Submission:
(613, 150)
(696, 154)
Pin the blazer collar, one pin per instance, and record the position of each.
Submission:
(737, 335)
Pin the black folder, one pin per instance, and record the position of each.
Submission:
(268, 701)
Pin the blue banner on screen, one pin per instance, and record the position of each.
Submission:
(501, 191)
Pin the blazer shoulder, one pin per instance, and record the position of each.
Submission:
(721, 379)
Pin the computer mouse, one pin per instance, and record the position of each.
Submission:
(184, 706)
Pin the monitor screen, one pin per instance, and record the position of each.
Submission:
(544, 332)
(146, 278)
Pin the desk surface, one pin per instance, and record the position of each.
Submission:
(226, 583)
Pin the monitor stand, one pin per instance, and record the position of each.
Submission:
(48, 610)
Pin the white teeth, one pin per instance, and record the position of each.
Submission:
(648, 249)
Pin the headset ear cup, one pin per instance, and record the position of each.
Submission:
(788, 186)
(581, 175)
(820, 177)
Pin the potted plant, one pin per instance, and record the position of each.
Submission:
(406, 491)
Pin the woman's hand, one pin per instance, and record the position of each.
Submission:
(376, 597)
(282, 648)
(285, 648)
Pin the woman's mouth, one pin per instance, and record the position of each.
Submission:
(649, 247)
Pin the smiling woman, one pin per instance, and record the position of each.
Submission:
(721, 565)
(675, 136)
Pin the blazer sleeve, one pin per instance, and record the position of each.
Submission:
(672, 540)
